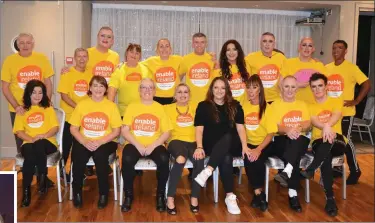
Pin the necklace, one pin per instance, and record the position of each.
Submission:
(180, 113)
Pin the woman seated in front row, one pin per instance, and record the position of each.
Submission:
(37, 127)
(216, 120)
(95, 124)
(182, 146)
(259, 139)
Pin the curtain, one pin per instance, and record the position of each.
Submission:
(146, 24)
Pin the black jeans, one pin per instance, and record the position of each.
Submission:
(67, 142)
(130, 157)
(256, 170)
(80, 157)
(323, 154)
(164, 101)
(350, 153)
(18, 140)
(35, 154)
(292, 150)
(185, 149)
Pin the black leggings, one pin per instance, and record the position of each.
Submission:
(323, 154)
(35, 154)
(185, 149)
(130, 157)
(292, 150)
(67, 142)
(350, 153)
(80, 157)
(256, 170)
(220, 156)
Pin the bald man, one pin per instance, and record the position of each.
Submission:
(302, 67)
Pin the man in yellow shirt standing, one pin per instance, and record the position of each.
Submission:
(197, 67)
(342, 78)
(18, 69)
(267, 64)
(302, 67)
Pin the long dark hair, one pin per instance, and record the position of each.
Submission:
(256, 81)
(240, 61)
(230, 104)
(29, 91)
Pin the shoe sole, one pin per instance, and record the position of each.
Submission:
(281, 180)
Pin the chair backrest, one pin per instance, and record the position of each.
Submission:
(61, 117)
(368, 114)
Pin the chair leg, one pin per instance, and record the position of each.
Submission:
(58, 182)
(119, 172)
(360, 133)
(71, 182)
(114, 180)
(344, 181)
(121, 189)
(369, 132)
(216, 185)
(307, 191)
(240, 176)
(267, 181)
(64, 172)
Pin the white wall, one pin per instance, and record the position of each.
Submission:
(59, 27)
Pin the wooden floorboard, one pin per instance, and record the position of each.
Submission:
(359, 205)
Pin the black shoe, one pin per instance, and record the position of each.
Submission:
(139, 172)
(172, 211)
(282, 178)
(255, 202)
(308, 174)
(331, 207)
(90, 171)
(294, 204)
(259, 201)
(128, 199)
(26, 199)
(353, 177)
(236, 171)
(42, 185)
(194, 209)
(337, 171)
(160, 202)
(77, 200)
(103, 201)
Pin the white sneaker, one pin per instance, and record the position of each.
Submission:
(232, 206)
(203, 176)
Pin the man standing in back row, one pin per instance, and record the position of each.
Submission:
(342, 78)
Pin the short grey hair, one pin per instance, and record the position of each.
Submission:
(146, 79)
(25, 34)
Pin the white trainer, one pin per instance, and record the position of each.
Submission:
(232, 206)
(203, 176)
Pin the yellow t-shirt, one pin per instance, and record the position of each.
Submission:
(256, 130)
(75, 84)
(303, 71)
(95, 119)
(199, 74)
(36, 121)
(183, 124)
(289, 114)
(237, 85)
(323, 111)
(102, 64)
(18, 70)
(268, 70)
(164, 73)
(341, 82)
(146, 122)
(126, 80)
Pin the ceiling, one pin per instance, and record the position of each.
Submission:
(276, 5)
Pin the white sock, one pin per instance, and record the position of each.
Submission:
(288, 169)
(292, 193)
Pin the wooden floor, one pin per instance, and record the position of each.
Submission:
(359, 205)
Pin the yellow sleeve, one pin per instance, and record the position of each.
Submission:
(115, 81)
(359, 76)
(47, 68)
(117, 60)
(183, 67)
(75, 119)
(5, 72)
(128, 116)
(18, 124)
(115, 117)
(145, 71)
(52, 116)
(63, 84)
(166, 124)
(248, 67)
(305, 112)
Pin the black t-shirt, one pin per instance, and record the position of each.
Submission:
(213, 130)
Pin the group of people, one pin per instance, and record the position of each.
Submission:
(172, 108)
